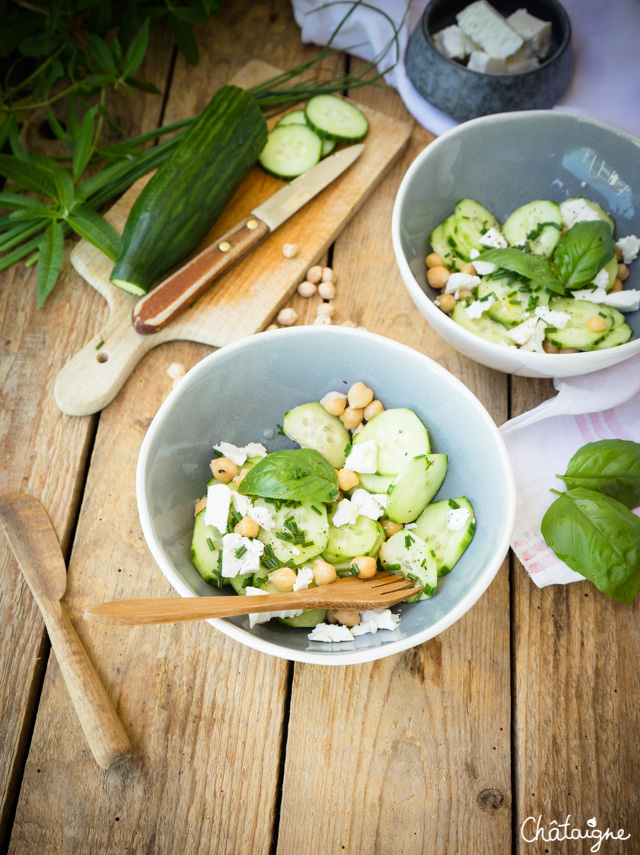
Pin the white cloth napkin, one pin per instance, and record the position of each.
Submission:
(606, 79)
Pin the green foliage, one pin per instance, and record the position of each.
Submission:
(300, 474)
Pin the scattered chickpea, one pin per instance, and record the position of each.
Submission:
(366, 565)
(273, 327)
(328, 274)
(359, 395)
(290, 250)
(243, 473)
(617, 286)
(326, 309)
(352, 417)
(283, 579)
(623, 272)
(349, 324)
(357, 429)
(322, 320)
(307, 289)
(314, 274)
(287, 317)
(469, 269)
(550, 348)
(464, 294)
(390, 527)
(347, 479)
(247, 527)
(334, 403)
(347, 617)
(437, 277)
(619, 254)
(434, 260)
(373, 409)
(200, 504)
(176, 370)
(445, 303)
(323, 572)
(223, 469)
(597, 324)
(327, 290)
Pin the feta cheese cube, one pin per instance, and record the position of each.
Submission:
(478, 307)
(366, 504)
(241, 504)
(346, 514)
(233, 452)
(630, 246)
(483, 62)
(494, 239)
(536, 33)
(483, 268)
(559, 320)
(521, 60)
(601, 279)
(592, 295)
(535, 342)
(304, 578)
(576, 211)
(489, 30)
(330, 632)
(255, 449)
(460, 280)
(452, 42)
(363, 457)
(216, 512)
(372, 621)
(523, 332)
(240, 555)
(262, 516)
(263, 617)
(624, 301)
(457, 518)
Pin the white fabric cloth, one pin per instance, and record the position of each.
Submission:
(606, 79)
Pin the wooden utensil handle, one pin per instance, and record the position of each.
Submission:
(103, 729)
(174, 294)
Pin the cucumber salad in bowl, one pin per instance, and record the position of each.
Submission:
(550, 279)
(354, 498)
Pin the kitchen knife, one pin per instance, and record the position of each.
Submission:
(180, 289)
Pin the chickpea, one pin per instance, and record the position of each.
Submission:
(287, 317)
(247, 527)
(223, 469)
(437, 277)
(617, 286)
(352, 417)
(327, 290)
(357, 429)
(322, 320)
(347, 617)
(623, 272)
(349, 324)
(464, 294)
(242, 474)
(328, 274)
(359, 396)
(597, 324)
(469, 269)
(434, 260)
(290, 250)
(550, 348)
(334, 403)
(273, 327)
(307, 289)
(314, 274)
(323, 572)
(366, 565)
(283, 579)
(445, 303)
(326, 309)
(390, 527)
(200, 504)
(619, 254)
(347, 479)
(373, 409)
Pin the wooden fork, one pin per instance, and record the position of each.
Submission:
(379, 592)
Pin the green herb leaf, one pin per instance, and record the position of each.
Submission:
(137, 49)
(611, 466)
(49, 260)
(534, 267)
(96, 230)
(300, 474)
(28, 175)
(83, 144)
(597, 537)
(185, 39)
(582, 252)
(16, 202)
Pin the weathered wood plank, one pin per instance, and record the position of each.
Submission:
(411, 753)
(576, 748)
(44, 453)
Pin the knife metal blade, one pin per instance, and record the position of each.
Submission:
(181, 288)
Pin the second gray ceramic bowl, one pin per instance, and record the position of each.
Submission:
(466, 94)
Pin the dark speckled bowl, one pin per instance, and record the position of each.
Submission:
(465, 94)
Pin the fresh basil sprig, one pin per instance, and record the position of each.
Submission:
(300, 474)
(582, 252)
(611, 466)
(534, 267)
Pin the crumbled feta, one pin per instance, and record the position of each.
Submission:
(559, 320)
(494, 238)
(263, 517)
(483, 62)
(489, 30)
(601, 279)
(263, 617)
(346, 514)
(630, 246)
(295, 550)
(523, 332)
(242, 504)
(372, 621)
(381, 499)
(366, 504)
(536, 33)
(363, 458)
(304, 578)
(237, 565)
(483, 268)
(330, 397)
(624, 301)
(217, 510)
(255, 449)
(478, 307)
(592, 295)
(457, 518)
(576, 211)
(330, 632)
(233, 452)
(453, 43)
(409, 526)
(521, 60)
(535, 342)
(460, 280)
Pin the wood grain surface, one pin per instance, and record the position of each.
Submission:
(526, 706)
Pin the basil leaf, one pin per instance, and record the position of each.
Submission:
(582, 252)
(301, 474)
(611, 466)
(527, 264)
(597, 537)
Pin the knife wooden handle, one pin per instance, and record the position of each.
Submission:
(176, 293)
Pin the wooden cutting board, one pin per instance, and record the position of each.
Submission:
(246, 298)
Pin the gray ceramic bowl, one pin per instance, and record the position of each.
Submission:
(503, 162)
(243, 390)
(465, 94)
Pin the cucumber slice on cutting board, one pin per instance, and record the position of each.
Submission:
(408, 555)
(535, 226)
(336, 119)
(297, 117)
(290, 151)
(311, 426)
(415, 486)
(447, 545)
(399, 435)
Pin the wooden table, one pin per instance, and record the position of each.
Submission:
(527, 706)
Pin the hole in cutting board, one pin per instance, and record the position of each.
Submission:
(102, 357)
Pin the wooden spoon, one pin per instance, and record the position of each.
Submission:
(35, 546)
(380, 592)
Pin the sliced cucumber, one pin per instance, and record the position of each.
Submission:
(535, 226)
(407, 554)
(239, 582)
(399, 435)
(483, 326)
(612, 270)
(308, 618)
(513, 306)
(376, 483)
(447, 545)
(576, 333)
(311, 426)
(309, 518)
(441, 246)
(336, 119)
(460, 250)
(472, 220)
(290, 151)
(297, 117)
(415, 486)
(618, 335)
(206, 549)
(345, 542)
